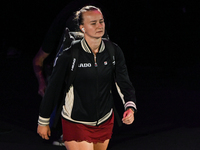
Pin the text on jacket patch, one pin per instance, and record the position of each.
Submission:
(84, 65)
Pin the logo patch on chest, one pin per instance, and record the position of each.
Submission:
(84, 65)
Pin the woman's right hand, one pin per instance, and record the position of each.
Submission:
(44, 131)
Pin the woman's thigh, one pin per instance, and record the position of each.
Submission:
(101, 146)
(83, 145)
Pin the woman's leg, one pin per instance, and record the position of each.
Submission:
(101, 146)
(73, 145)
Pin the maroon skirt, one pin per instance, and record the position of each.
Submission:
(92, 134)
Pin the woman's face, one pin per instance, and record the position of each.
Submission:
(93, 24)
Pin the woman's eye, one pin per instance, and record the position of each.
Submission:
(102, 21)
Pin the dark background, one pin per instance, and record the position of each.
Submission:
(153, 33)
(160, 41)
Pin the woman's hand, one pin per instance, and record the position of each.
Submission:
(44, 131)
(128, 116)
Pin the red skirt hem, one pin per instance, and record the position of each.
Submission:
(91, 134)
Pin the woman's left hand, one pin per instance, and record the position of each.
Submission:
(128, 116)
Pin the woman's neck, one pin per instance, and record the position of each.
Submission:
(94, 44)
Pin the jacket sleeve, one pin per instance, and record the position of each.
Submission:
(123, 83)
(55, 88)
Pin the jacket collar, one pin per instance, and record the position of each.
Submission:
(87, 49)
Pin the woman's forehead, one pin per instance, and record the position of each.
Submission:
(92, 15)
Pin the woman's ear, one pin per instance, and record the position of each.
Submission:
(82, 28)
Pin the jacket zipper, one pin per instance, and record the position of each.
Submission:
(96, 65)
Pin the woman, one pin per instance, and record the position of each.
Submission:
(87, 115)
